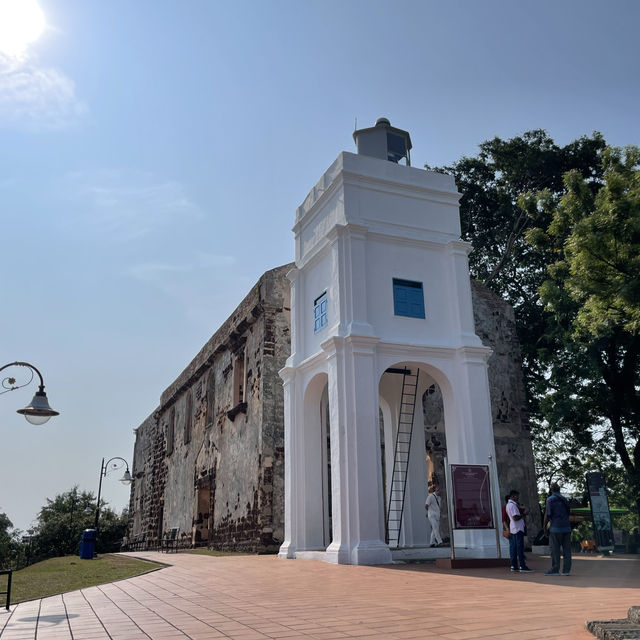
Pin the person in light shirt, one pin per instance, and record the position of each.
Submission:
(516, 515)
(432, 505)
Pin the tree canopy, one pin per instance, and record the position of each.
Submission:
(494, 223)
(5, 540)
(591, 300)
(62, 520)
(566, 258)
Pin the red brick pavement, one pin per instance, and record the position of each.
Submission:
(263, 597)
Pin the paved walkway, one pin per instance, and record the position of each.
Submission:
(262, 597)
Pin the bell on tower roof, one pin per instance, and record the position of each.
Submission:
(383, 141)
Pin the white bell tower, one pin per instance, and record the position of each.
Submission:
(381, 286)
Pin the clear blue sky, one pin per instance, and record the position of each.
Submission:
(152, 155)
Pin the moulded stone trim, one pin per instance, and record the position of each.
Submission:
(309, 213)
(314, 254)
(317, 359)
(352, 229)
(371, 552)
(362, 344)
(287, 374)
(293, 275)
(341, 168)
(424, 194)
(359, 328)
(332, 346)
(460, 247)
(287, 551)
(396, 233)
(419, 351)
(475, 355)
(432, 240)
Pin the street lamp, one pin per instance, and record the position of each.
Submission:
(104, 469)
(38, 410)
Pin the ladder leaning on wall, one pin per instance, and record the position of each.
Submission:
(401, 455)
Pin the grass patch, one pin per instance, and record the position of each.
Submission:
(58, 575)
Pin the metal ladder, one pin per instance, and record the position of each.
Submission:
(401, 455)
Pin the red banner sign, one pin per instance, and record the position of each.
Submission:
(471, 497)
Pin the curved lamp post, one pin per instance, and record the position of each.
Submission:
(38, 410)
(104, 469)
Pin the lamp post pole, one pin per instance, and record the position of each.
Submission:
(38, 410)
(104, 469)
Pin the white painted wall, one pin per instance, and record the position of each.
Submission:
(365, 222)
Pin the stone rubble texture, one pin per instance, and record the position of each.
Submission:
(619, 629)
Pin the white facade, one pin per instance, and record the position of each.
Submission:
(366, 222)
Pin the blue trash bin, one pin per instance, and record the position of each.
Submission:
(88, 544)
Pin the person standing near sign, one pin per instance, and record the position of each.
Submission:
(556, 514)
(516, 515)
(432, 505)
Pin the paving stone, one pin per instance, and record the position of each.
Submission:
(258, 597)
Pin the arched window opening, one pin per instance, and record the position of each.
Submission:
(211, 399)
(188, 417)
(170, 430)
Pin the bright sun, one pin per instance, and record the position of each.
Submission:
(21, 23)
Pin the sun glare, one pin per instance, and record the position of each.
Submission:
(21, 23)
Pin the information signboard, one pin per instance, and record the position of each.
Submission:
(600, 514)
(471, 497)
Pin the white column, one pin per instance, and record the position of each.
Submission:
(291, 514)
(297, 333)
(472, 441)
(358, 511)
(338, 550)
(460, 286)
(349, 244)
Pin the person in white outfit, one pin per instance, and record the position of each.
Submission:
(432, 505)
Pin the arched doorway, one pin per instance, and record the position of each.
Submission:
(317, 464)
(413, 446)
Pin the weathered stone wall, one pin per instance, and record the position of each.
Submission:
(142, 489)
(496, 327)
(214, 480)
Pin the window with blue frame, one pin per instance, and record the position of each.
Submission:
(320, 313)
(408, 298)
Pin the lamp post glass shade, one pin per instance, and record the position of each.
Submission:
(38, 410)
(126, 478)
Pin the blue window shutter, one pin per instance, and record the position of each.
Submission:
(408, 298)
(320, 319)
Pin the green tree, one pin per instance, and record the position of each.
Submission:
(63, 519)
(591, 297)
(12, 550)
(494, 223)
(113, 527)
(5, 540)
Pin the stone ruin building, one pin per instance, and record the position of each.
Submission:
(210, 459)
(209, 462)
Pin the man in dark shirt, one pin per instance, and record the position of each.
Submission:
(557, 515)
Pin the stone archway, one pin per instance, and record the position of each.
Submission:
(316, 500)
(435, 438)
(426, 459)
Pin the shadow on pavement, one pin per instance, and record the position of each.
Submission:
(49, 620)
(586, 572)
